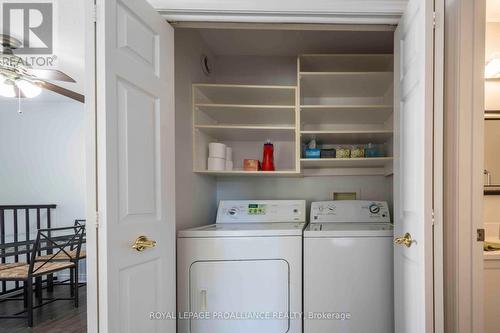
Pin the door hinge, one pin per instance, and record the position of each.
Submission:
(433, 219)
(434, 19)
(93, 13)
(97, 220)
(480, 235)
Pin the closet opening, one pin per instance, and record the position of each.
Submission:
(323, 98)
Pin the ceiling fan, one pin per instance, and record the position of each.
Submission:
(20, 80)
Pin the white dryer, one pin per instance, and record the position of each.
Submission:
(244, 273)
(348, 268)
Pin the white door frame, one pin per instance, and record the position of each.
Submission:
(91, 171)
(464, 163)
(387, 12)
(278, 11)
(438, 167)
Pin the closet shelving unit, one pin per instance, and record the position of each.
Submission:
(340, 99)
(244, 117)
(346, 99)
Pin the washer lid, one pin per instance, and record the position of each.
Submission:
(245, 230)
(316, 230)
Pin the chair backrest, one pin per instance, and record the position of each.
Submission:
(80, 223)
(65, 244)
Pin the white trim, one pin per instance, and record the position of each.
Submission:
(477, 176)
(91, 171)
(292, 11)
(283, 26)
(299, 7)
(438, 178)
(317, 18)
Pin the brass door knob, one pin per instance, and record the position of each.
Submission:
(406, 240)
(142, 243)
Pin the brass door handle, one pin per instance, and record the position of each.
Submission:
(142, 243)
(406, 240)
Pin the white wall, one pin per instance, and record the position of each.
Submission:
(256, 70)
(42, 153)
(195, 195)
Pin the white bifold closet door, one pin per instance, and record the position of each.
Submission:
(135, 140)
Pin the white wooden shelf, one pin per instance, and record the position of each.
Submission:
(345, 114)
(372, 162)
(346, 99)
(344, 84)
(346, 62)
(243, 106)
(278, 173)
(244, 117)
(244, 94)
(347, 137)
(248, 133)
(244, 114)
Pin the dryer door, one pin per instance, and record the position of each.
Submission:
(244, 296)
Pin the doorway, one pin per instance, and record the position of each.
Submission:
(131, 55)
(491, 169)
(43, 171)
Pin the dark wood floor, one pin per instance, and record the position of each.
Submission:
(57, 317)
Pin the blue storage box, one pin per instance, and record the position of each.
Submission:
(313, 153)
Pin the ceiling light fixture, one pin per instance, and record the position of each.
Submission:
(28, 89)
(6, 87)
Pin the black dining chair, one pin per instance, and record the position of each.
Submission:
(74, 272)
(65, 244)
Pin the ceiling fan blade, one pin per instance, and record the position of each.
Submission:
(51, 74)
(62, 91)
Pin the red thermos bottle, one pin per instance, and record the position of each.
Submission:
(268, 157)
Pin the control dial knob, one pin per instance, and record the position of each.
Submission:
(374, 209)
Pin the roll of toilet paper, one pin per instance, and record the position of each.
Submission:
(229, 165)
(216, 164)
(229, 153)
(217, 150)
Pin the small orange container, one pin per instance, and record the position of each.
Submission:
(251, 165)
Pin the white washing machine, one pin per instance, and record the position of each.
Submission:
(348, 268)
(244, 273)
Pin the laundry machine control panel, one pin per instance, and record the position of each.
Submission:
(258, 211)
(350, 211)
